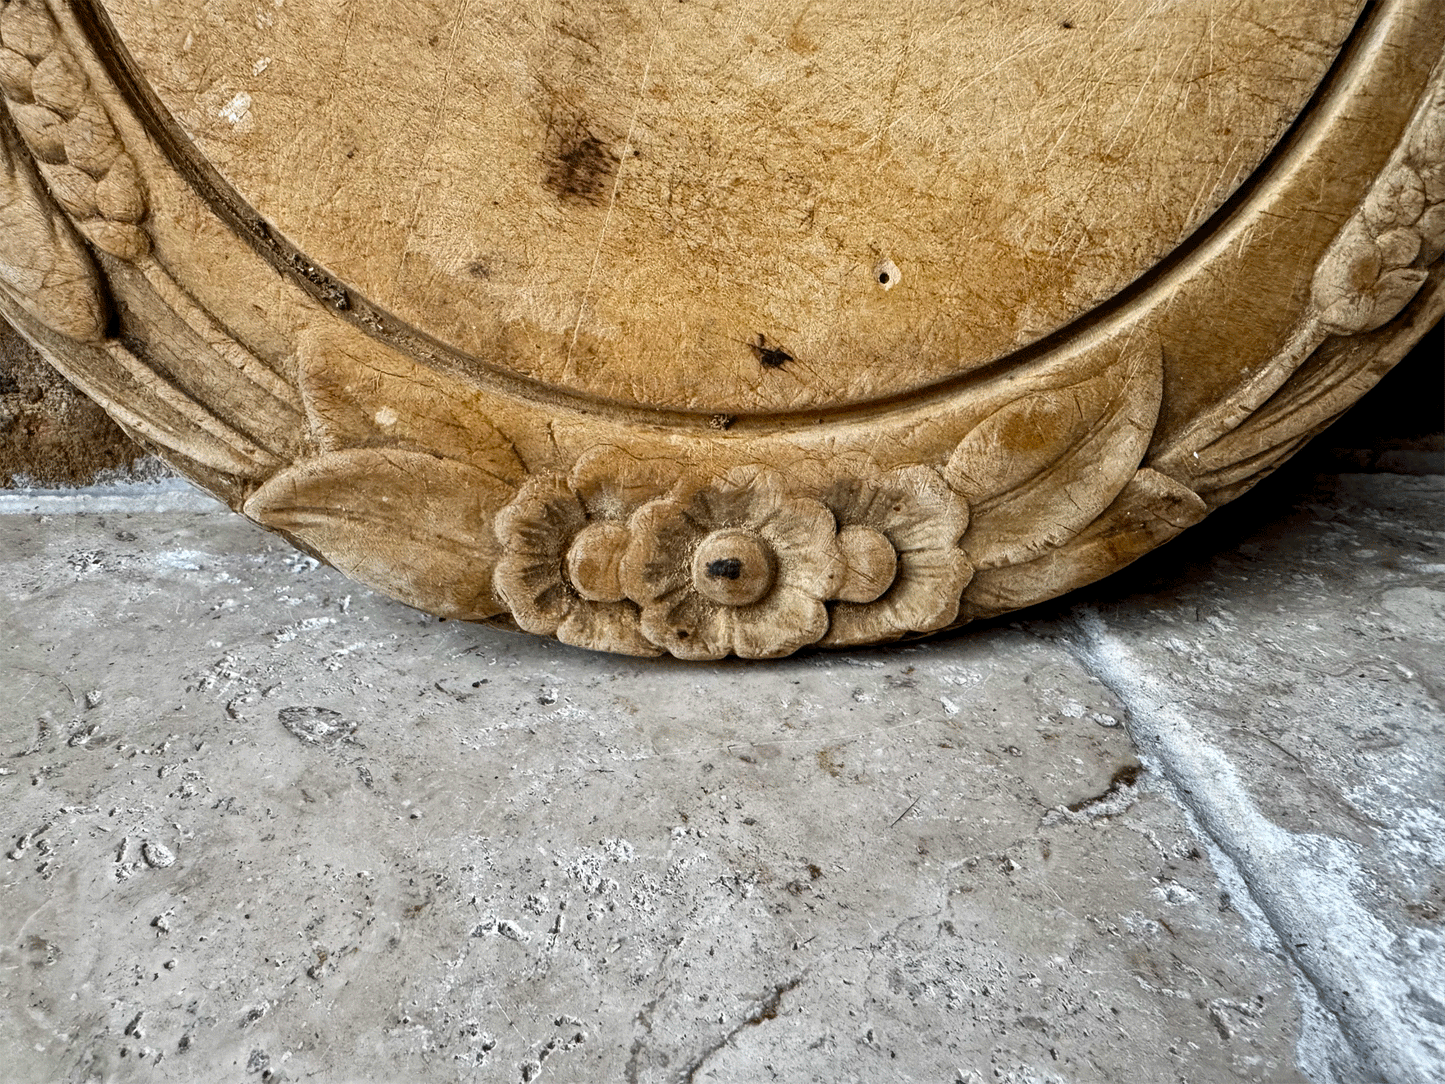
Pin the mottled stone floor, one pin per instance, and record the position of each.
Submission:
(264, 825)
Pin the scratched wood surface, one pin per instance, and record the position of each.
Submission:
(723, 328)
(638, 200)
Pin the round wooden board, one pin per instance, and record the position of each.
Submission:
(722, 328)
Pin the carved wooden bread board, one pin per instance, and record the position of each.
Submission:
(722, 328)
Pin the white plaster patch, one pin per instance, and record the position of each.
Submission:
(1305, 884)
(237, 110)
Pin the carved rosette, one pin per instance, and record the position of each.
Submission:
(563, 541)
(739, 564)
(735, 565)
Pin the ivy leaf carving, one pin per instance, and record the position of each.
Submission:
(1149, 511)
(1042, 465)
(360, 394)
(412, 525)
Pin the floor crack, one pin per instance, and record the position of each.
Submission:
(768, 1008)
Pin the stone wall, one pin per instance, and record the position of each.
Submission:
(50, 434)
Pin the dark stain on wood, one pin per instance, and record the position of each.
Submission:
(580, 166)
(725, 568)
(771, 357)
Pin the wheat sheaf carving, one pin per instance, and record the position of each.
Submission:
(71, 195)
(68, 132)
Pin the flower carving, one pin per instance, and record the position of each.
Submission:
(1377, 262)
(1366, 279)
(904, 571)
(733, 565)
(563, 540)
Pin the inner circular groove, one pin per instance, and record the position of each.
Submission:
(383, 325)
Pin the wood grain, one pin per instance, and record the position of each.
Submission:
(722, 329)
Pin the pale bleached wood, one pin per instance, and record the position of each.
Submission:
(670, 329)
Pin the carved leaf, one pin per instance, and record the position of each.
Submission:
(359, 393)
(1045, 464)
(1150, 510)
(42, 262)
(412, 525)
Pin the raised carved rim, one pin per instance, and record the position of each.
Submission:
(643, 531)
(1378, 28)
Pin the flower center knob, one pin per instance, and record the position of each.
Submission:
(594, 561)
(733, 567)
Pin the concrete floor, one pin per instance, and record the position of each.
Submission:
(264, 825)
